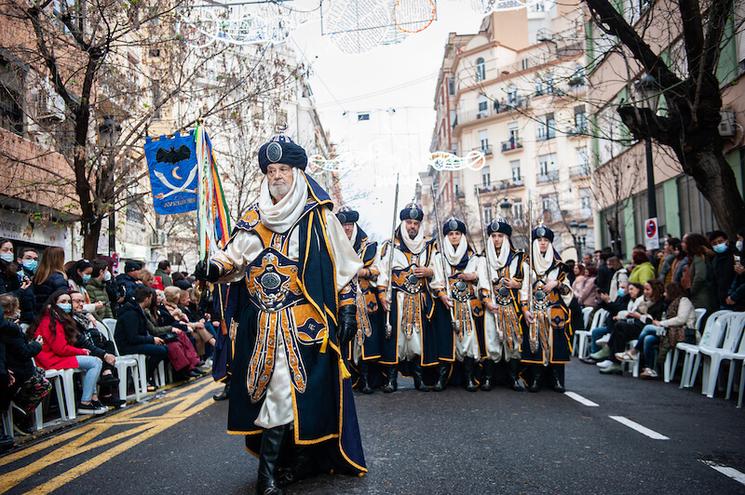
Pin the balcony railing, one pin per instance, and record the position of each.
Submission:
(550, 176)
(485, 149)
(500, 185)
(493, 109)
(578, 130)
(546, 134)
(511, 145)
(582, 170)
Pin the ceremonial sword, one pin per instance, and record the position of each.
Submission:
(445, 271)
(389, 289)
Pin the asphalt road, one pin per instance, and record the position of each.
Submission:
(419, 443)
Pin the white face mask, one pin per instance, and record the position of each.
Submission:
(107, 276)
(738, 245)
(7, 257)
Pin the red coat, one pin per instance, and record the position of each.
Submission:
(56, 353)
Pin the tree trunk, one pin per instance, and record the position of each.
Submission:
(716, 181)
(91, 234)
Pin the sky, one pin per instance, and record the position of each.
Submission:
(395, 84)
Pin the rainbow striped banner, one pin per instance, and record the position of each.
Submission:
(213, 218)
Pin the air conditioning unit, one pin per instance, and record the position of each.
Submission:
(727, 124)
(49, 104)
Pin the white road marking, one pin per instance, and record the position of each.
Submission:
(727, 471)
(641, 429)
(580, 399)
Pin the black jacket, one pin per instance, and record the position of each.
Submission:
(131, 328)
(54, 282)
(602, 280)
(614, 307)
(724, 273)
(19, 350)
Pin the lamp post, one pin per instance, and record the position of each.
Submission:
(506, 206)
(108, 133)
(579, 236)
(647, 88)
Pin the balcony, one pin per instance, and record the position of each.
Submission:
(550, 176)
(501, 185)
(578, 130)
(512, 145)
(493, 109)
(486, 149)
(581, 170)
(546, 134)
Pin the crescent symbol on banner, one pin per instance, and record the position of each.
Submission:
(175, 174)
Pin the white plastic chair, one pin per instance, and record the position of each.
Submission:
(124, 363)
(110, 324)
(711, 337)
(737, 356)
(582, 337)
(671, 360)
(733, 324)
(57, 377)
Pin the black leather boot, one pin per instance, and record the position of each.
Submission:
(469, 367)
(270, 450)
(416, 371)
(535, 384)
(557, 379)
(392, 384)
(514, 379)
(224, 394)
(364, 380)
(487, 381)
(442, 377)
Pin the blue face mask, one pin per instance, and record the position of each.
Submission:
(86, 278)
(621, 292)
(720, 248)
(7, 257)
(30, 265)
(66, 307)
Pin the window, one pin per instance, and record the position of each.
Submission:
(525, 63)
(11, 93)
(480, 69)
(485, 176)
(484, 140)
(156, 98)
(538, 86)
(547, 164)
(517, 210)
(583, 157)
(514, 132)
(362, 117)
(585, 202)
(512, 94)
(451, 86)
(580, 120)
(515, 167)
(483, 104)
(547, 127)
(487, 214)
(549, 83)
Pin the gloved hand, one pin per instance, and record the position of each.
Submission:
(206, 271)
(347, 323)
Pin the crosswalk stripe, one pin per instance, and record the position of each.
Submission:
(641, 429)
(582, 400)
(727, 471)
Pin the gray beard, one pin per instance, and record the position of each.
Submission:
(279, 191)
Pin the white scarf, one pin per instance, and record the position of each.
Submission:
(280, 217)
(542, 262)
(495, 261)
(454, 255)
(354, 235)
(416, 244)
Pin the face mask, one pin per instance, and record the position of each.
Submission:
(738, 245)
(66, 307)
(720, 248)
(106, 276)
(621, 292)
(30, 265)
(7, 257)
(86, 278)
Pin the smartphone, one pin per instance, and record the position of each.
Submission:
(737, 260)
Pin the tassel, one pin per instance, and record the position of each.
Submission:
(325, 342)
(343, 369)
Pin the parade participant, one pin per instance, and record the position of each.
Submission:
(408, 330)
(503, 297)
(548, 343)
(458, 313)
(291, 395)
(366, 346)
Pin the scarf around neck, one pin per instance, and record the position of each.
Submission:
(542, 262)
(495, 261)
(280, 217)
(415, 245)
(455, 255)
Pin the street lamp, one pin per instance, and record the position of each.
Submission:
(108, 133)
(579, 235)
(506, 206)
(647, 88)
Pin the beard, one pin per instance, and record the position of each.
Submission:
(279, 191)
(412, 233)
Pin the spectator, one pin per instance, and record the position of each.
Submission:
(7, 380)
(164, 272)
(570, 270)
(680, 316)
(618, 279)
(589, 294)
(129, 280)
(723, 266)
(14, 281)
(78, 277)
(736, 295)
(643, 270)
(97, 292)
(30, 385)
(181, 353)
(587, 259)
(29, 262)
(146, 277)
(180, 281)
(50, 276)
(666, 268)
(132, 336)
(91, 338)
(700, 277)
(58, 332)
(605, 273)
(628, 326)
(197, 330)
(628, 298)
(580, 277)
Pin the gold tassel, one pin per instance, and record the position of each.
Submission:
(343, 369)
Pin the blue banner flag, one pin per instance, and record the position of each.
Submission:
(172, 162)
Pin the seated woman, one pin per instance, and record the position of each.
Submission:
(59, 333)
(132, 336)
(622, 303)
(89, 337)
(181, 353)
(680, 314)
(30, 386)
(196, 329)
(79, 275)
(628, 326)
